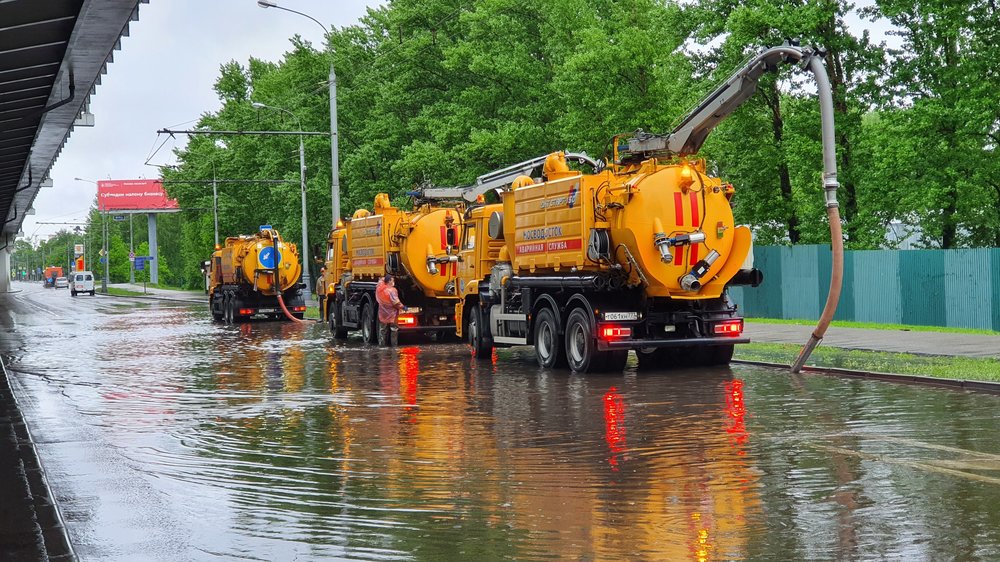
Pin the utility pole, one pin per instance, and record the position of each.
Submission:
(131, 252)
(107, 258)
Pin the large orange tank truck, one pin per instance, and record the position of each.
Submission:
(418, 247)
(634, 255)
(587, 266)
(249, 274)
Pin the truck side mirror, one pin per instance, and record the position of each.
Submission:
(450, 236)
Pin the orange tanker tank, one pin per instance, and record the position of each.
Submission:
(250, 272)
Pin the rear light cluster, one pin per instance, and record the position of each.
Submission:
(731, 328)
(407, 320)
(246, 311)
(298, 309)
(614, 332)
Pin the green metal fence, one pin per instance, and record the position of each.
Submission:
(953, 288)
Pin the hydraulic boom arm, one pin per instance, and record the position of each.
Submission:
(690, 134)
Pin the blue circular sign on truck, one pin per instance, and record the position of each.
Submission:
(266, 258)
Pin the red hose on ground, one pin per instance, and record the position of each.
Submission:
(284, 309)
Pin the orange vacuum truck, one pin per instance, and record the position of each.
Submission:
(418, 247)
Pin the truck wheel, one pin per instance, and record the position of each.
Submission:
(481, 343)
(227, 309)
(616, 360)
(334, 317)
(655, 360)
(717, 354)
(548, 344)
(369, 330)
(216, 317)
(581, 348)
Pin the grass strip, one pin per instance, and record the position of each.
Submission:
(874, 326)
(312, 312)
(115, 291)
(966, 368)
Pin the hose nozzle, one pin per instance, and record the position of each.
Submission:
(691, 281)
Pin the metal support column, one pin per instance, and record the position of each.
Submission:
(154, 273)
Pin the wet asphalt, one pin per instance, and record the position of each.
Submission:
(164, 436)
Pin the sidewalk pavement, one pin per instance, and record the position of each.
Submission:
(896, 341)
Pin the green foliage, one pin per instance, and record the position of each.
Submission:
(442, 91)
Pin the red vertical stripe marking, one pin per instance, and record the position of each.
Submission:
(454, 269)
(678, 209)
(694, 209)
(694, 255)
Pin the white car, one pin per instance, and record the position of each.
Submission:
(61, 283)
(80, 282)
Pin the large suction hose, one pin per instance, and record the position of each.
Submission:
(830, 186)
(277, 284)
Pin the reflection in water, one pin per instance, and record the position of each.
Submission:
(614, 425)
(736, 411)
(274, 442)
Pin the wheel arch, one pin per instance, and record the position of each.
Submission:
(545, 300)
(580, 301)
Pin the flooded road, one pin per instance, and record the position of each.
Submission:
(168, 437)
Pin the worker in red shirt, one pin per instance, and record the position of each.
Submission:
(389, 307)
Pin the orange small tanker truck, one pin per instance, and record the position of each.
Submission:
(418, 247)
(255, 275)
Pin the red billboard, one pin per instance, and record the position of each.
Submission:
(134, 195)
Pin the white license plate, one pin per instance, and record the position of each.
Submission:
(267, 310)
(621, 315)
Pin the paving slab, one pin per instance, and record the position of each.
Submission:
(897, 341)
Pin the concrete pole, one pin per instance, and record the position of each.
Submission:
(215, 207)
(107, 258)
(305, 219)
(154, 272)
(334, 151)
(131, 251)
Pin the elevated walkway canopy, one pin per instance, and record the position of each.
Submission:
(52, 56)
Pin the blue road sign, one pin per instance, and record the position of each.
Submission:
(118, 217)
(267, 258)
(140, 263)
(103, 259)
(264, 227)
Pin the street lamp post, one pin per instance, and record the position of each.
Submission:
(334, 150)
(302, 184)
(106, 256)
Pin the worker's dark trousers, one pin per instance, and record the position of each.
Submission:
(388, 334)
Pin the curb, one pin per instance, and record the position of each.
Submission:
(55, 538)
(958, 384)
(150, 297)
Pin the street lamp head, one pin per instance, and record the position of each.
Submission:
(266, 4)
(257, 104)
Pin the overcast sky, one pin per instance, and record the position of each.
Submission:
(163, 76)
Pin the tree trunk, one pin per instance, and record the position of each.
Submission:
(773, 99)
(848, 191)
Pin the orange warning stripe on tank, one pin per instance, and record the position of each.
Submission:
(692, 256)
